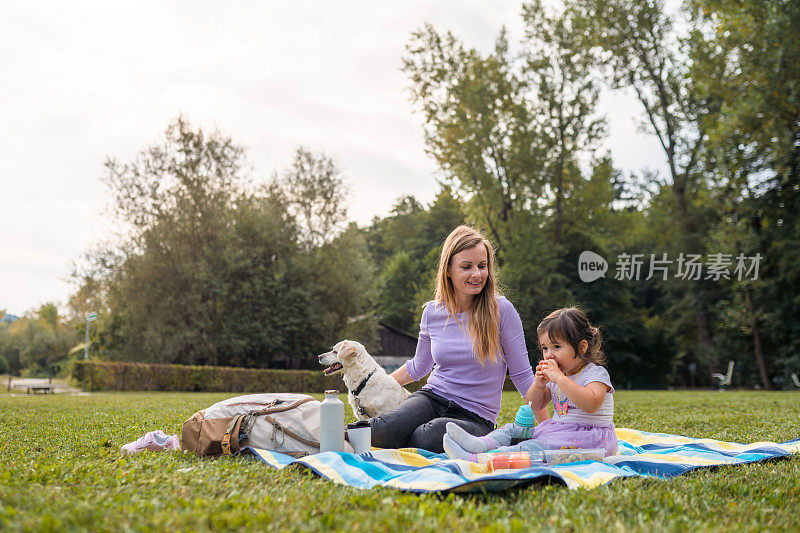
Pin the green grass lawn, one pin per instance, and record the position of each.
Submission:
(60, 469)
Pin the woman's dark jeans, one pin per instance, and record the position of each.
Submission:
(419, 422)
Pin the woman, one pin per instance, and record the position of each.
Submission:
(469, 337)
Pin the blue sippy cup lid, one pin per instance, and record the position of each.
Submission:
(524, 416)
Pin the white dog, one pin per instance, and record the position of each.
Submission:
(371, 391)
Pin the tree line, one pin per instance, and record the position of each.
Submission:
(212, 267)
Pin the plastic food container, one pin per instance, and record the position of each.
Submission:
(556, 457)
(510, 460)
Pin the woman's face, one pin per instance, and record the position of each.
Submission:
(468, 271)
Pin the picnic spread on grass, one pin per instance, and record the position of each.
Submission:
(655, 455)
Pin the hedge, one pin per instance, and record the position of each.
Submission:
(106, 376)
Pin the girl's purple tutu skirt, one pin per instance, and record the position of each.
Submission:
(555, 435)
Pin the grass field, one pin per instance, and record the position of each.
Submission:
(60, 469)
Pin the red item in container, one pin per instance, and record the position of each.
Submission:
(519, 460)
(500, 460)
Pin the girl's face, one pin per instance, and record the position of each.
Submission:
(468, 271)
(562, 352)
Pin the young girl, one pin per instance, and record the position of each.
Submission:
(571, 377)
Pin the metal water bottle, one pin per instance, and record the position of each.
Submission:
(331, 418)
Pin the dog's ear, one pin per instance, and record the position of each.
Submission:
(347, 351)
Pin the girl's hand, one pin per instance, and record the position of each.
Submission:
(550, 369)
(539, 377)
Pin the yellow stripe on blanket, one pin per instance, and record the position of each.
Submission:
(475, 468)
(638, 438)
(268, 458)
(471, 470)
(418, 484)
(574, 481)
(405, 456)
(325, 470)
(680, 459)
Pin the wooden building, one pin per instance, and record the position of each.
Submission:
(396, 347)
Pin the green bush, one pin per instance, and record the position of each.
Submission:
(105, 376)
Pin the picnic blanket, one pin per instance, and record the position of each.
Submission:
(641, 453)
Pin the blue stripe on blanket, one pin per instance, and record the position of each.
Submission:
(640, 454)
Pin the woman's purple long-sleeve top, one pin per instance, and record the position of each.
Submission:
(444, 350)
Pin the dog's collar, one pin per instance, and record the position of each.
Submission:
(362, 384)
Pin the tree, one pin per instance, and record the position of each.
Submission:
(642, 51)
(508, 131)
(333, 257)
(206, 261)
(405, 247)
(478, 124)
(315, 192)
(565, 98)
(505, 127)
(340, 274)
(401, 230)
(191, 173)
(37, 343)
(399, 285)
(443, 215)
(215, 270)
(744, 58)
(9, 350)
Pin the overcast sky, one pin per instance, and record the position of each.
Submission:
(80, 81)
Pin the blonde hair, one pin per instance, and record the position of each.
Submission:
(484, 315)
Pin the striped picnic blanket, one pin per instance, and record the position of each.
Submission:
(640, 454)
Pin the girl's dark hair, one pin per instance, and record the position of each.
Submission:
(570, 326)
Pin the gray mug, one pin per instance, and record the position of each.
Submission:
(360, 436)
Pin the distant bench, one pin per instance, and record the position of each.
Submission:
(45, 389)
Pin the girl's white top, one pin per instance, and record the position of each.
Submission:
(604, 416)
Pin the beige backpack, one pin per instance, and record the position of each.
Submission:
(280, 422)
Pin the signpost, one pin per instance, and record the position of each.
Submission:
(89, 319)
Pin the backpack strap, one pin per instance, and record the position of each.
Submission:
(295, 436)
(233, 427)
(281, 408)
